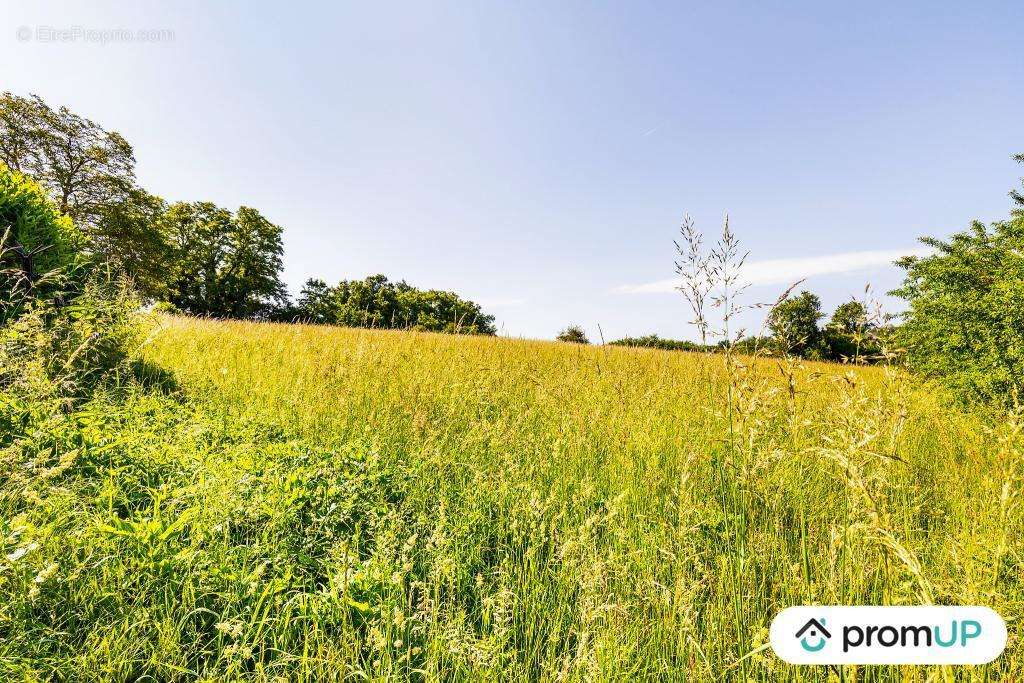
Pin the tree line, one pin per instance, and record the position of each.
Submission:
(963, 326)
(852, 333)
(194, 257)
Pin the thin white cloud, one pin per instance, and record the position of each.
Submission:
(501, 303)
(788, 270)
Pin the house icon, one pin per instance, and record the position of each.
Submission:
(815, 632)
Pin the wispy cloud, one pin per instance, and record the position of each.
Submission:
(501, 303)
(788, 270)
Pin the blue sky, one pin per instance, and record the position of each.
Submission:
(537, 157)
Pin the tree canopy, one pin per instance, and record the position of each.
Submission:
(89, 173)
(794, 325)
(573, 334)
(227, 265)
(965, 322)
(380, 303)
(199, 257)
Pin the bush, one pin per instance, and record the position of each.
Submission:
(573, 334)
(965, 324)
(653, 341)
(65, 325)
(39, 247)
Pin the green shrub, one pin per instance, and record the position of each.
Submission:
(64, 351)
(573, 334)
(653, 341)
(65, 325)
(965, 324)
(40, 247)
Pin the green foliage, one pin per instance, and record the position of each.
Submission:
(89, 173)
(653, 341)
(379, 303)
(228, 265)
(84, 167)
(573, 334)
(67, 350)
(131, 234)
(965, 323)
(39, 247)
(794, 326)
(852, 335)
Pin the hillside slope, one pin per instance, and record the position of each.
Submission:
(314, 502)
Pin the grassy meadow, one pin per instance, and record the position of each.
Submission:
(289, 502)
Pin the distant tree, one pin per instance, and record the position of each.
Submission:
(228, 265)
(573, 334)
(845, 336)
(849, 317)
(377, 302)
(653, 341)
(315, 303)
(794, 325)
(965, 322)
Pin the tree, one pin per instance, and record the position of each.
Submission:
(83, 166)
(965, 322)
(315, 304)
(847, 334)
(21, 126)
(131, 234)
(89, 173)
(653, 341)
(573, 334)
(794, 325)
(228, 265)
(379, 303)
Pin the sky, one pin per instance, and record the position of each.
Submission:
(538, 157)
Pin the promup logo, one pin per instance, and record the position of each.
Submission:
(888, 635)
(815, 632)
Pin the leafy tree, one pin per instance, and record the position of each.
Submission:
(965, 323)
(39, 246)
(379, 303)
(848, 334)
(20, 129)
(794, 325)
(90, 173)
(228, 265)
(83, 166)
(573, 334)
(315, 302)
(131, 233)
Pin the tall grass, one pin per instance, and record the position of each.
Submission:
(321, 503)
